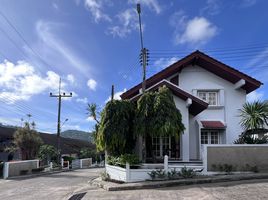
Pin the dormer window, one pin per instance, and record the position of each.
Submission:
(211, 97)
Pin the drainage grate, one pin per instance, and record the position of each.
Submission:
(78, 196)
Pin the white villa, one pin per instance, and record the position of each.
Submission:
(208, 94)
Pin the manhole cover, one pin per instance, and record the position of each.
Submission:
(78, 196)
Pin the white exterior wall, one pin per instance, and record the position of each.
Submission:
(185, 139)
(194, 78)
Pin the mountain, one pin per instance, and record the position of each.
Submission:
(76, 134)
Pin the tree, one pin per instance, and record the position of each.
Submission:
(115, 131)
(167, 118)
(28, 141)
(47, 153)
(93, 111)
(157, 115)
(254, 116)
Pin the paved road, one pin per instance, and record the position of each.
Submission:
(246, 190)
(51, 187)
(64, 185)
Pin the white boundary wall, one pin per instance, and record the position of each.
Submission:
(136, 175)
(13, 168)
(251, 153)
(127, 174)
(82, 163)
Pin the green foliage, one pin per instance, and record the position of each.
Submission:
(28, 141)
(168, 119)
(68, 158)
(250, 139)
(47, 153)
(132, 159)
(152, 174)
(187, 172)
(144, 121)
(93, 111)
(254, 115)
(157, 115)
(115, 131)
(121, 160)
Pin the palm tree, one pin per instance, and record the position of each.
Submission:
(254, 116)
(93, 111)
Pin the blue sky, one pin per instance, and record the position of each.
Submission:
(92, 44)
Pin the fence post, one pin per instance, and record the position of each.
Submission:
(81, 163)
(166, 163)
(127, 172)
(51, 165)
(6, 169)
(62, 163)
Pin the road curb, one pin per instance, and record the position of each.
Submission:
(110, 186)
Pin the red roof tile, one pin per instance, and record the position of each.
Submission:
(212, 124)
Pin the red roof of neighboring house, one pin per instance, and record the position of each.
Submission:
(212, 124)
(195, 108)
(210, 64)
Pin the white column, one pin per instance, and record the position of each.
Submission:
(6, 169)
(166, 163)
(51, 165)
(127, 172)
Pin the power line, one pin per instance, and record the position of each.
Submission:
(23, 39)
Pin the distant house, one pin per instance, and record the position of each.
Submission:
(69, 147)
(208, 94)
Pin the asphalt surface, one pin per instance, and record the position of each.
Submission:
(66, 184)
(52, 187)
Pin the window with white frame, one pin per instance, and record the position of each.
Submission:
(161, 146)
(210, 137)
(211, 97)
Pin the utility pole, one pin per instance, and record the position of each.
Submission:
(112, 93)
(144, 55)
(59, 96)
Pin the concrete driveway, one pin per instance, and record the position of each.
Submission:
(50, 187)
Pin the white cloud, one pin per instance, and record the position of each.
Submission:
(255, 96)
(96, 9)
(92, 84)
(162, 63)
(151, 4)
(53, 46)
(212, 7)
(82, 100)
(90, 119)
(194, 31)
(128, 22)
(71, 78)
(20, 81)
(116, 95)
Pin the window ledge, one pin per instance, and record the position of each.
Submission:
(215, 107)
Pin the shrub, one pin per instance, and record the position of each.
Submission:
(173, 174)
(152, 174)
(187, 173)
(121, 161)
